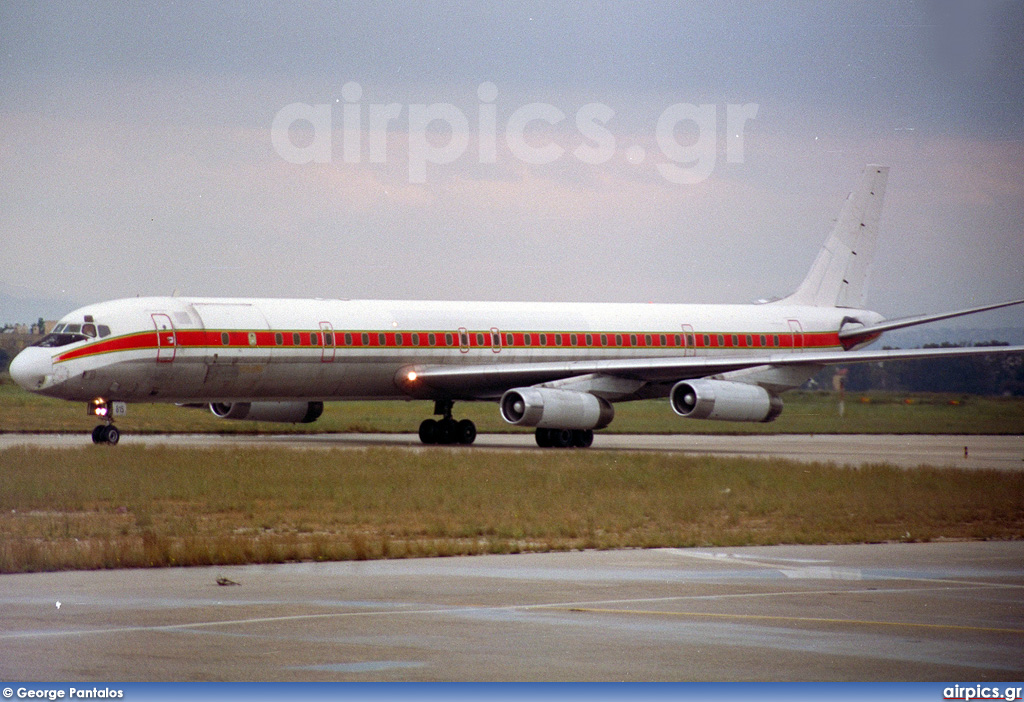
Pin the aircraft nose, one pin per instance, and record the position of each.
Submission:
(30, 368)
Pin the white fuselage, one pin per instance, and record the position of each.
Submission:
(173, 349)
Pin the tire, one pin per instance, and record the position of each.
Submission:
(543, 438)
(583, 438)
(561, 438)
(466, 432)
(428, 431)
(447, 431)
(113, 435)
(99, 434)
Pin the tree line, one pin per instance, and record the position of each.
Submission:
(1001, 374)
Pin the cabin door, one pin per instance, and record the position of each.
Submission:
(798, 334)
(166, 338)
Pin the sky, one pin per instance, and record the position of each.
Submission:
(690, 151)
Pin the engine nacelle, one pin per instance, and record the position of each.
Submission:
(294, 412)
(549, 408)
(723, 399)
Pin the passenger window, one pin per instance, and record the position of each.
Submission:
(432, 339)
(296, 339)
(382, 340)
(314, 339)
(448, 339)
(348, 339)
(573, 339)
(415, 339)
(224, 339)
(664, 341)
(632, 339)
(328, 339)
(604, 340)
(279, 338)
(366, 339)
(618, 339)
(590, 339)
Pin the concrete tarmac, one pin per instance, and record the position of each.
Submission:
(943, 450)
(936, 611)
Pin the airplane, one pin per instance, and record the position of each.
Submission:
(556, 367)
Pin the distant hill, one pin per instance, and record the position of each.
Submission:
(937, 334)
(21, 305)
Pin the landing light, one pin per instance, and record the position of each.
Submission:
(411, 375)
(99, 407)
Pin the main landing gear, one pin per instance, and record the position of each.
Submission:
(446, 430)
(565, 438)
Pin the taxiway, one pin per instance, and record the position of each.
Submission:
(938, 611)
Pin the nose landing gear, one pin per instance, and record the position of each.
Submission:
(106, 434)
(105, 410)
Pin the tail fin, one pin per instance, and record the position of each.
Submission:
(839, 275)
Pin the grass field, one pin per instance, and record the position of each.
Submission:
(805, 412)
(100, 507)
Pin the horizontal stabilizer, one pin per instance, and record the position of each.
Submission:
(889, 325)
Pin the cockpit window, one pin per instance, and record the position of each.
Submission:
(64, 334)
(53, 339)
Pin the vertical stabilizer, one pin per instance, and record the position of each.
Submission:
(839, 275)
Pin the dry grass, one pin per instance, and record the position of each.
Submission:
(99, 507)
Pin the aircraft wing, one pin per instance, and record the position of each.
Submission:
(488, 381)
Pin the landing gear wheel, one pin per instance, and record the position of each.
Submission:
(106, 434)
(544, 438)
(565, 438)
(466, 432)
(428, 431)
(582, 438)
(561, 438)
(447, 431)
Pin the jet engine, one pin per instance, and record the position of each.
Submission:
(723, 399)
(549, 408)
(294, 412)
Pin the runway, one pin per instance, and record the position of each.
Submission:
(938, 611)
(943, 450)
